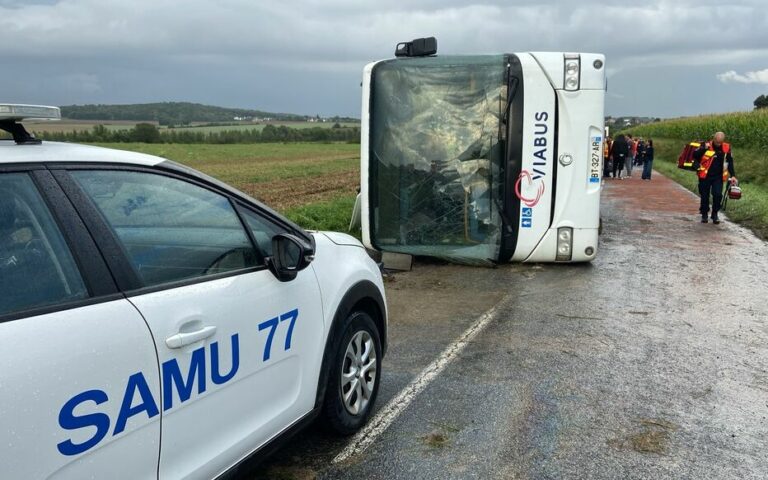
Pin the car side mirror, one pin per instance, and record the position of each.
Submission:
(290, 255)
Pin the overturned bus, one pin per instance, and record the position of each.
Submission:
(482, 159)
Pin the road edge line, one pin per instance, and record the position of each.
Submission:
(387, 415)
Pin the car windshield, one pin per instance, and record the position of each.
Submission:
(435, 155)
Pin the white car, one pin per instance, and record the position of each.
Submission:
(156, 323)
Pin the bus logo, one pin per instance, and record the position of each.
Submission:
(528, 200)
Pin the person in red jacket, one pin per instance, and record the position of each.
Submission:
(713, 156)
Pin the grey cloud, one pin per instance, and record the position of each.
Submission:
(308, 44)
(328, 31)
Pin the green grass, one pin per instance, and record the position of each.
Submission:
(752, 210)
(330, 215)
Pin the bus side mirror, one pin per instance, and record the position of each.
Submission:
(420, 47)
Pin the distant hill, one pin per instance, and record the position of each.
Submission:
(177, 113)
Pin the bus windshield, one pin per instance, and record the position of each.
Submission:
(436, 156)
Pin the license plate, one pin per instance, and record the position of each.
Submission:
(595, 156)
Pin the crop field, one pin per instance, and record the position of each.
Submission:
(743, 129)
(259, 126)
(82, 125)
(314, 184)
(76, 125)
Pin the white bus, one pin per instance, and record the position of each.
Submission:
(483, 159)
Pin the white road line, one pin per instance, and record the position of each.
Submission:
(382, 420)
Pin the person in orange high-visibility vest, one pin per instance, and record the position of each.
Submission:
(713, 157)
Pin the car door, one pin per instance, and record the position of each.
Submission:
(79, 377)
(238, 349)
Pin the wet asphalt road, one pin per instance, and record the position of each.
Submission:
(652, 362)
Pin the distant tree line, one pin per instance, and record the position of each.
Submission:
(761, 102)
(177, 113)
(149, 133)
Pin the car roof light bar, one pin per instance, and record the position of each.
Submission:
(28, 112)
(12, 114)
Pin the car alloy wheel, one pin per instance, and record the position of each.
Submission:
(358, 373)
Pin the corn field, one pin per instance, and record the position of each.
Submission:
(743, 129)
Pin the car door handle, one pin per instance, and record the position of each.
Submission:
(188, 338)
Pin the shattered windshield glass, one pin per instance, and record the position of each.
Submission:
(436, 156)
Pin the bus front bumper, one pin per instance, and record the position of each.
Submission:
(583, 246)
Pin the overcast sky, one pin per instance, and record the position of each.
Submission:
(665, 58)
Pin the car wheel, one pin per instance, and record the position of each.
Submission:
(353, 381)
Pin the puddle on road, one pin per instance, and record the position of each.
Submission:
(650, 435)
(440, 437)
(435, 439)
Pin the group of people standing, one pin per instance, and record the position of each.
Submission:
(625, 152)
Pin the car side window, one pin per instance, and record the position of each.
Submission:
(172, 230)
(263, 230)
(36, 266)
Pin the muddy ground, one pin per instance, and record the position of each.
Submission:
(294, 192)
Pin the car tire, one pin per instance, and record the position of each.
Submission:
(353, 381)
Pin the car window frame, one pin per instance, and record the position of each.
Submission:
(243, 209)
(238, 196)
(128, 280)
(89, 264)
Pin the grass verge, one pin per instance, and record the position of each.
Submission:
(333, 215)
(752, 210)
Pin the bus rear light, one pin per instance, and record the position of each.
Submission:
(564, 244)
